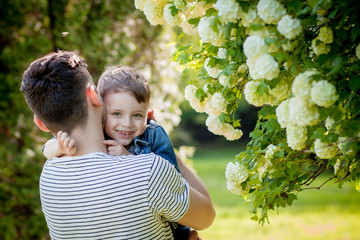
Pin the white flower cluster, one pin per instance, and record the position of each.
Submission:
(222, 53)
(324, 150)
(248, 18)
(301, 110)
(357, 51)
(169, 18)
(229, 10)
(296, 136)
(289, 27)
(207, 34)
(155, 12)
(219, 102)
(270, 11)
(270, 151)
(236, 174)
(263, 169)
(225, 129)
(253, 97)
(212, 71)
(301, 86)
(190, 95)
(320, 44)
(254, 46)
(224, 80)
(323, 94)
(326, 35)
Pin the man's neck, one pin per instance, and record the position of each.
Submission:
(89, 138)
(88, 141)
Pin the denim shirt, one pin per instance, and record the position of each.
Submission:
(155, 140)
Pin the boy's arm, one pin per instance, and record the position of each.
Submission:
(59, 146)
(50, 149)
(161, 145)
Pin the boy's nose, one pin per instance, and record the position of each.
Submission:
(126, 122)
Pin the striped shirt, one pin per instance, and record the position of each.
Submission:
(97, 196)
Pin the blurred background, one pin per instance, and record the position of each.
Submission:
(110, 33)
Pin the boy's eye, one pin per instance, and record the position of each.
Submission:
(117, 114)
(138, 115)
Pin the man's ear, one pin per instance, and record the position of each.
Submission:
(40, 124)
(92, 95)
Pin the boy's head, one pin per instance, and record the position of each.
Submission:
(126, 95)
(124, 79)
(54, 87)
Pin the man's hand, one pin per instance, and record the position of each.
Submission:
(115, 148)
(66, 144)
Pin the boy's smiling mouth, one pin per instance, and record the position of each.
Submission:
(124, 133)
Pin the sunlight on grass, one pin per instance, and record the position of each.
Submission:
(327, 214)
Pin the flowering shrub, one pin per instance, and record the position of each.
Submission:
(296, 60)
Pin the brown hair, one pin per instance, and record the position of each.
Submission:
(123, 78)
(54, 88)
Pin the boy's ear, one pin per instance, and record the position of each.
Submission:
(40, 124)
(92, 95)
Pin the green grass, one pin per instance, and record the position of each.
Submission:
(330, 213)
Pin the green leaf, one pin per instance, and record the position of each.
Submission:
(354, 83)
(269, 40)
(355, 33)
(266, 112)
(174, 10)
(200, 94)
(194, 21)
(336, 64)
(319, 132)
(281, 56)
(295, 6)
(256, 27)
(256, 133)
(214, 25)
(262, 88)
(236, 123)
(211, 12)
(244, 6)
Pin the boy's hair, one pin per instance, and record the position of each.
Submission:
(124, 79)
(54, 87)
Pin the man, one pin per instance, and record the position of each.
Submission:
(91, 195)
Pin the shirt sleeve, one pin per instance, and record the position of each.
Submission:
(168, 192)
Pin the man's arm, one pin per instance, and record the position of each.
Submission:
(201, 212)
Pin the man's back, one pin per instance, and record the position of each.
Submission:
(97, 196)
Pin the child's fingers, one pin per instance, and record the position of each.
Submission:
(71, 143)
(63, 136)
(110, 142)
(58, 135)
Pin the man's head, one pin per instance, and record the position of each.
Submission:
(124, 79)
(54, 87)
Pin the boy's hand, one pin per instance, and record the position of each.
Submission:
(115, 148)
(66, 144)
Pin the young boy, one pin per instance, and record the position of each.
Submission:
(126, 95)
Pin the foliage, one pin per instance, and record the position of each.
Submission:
(298, 61)
(103, 32)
